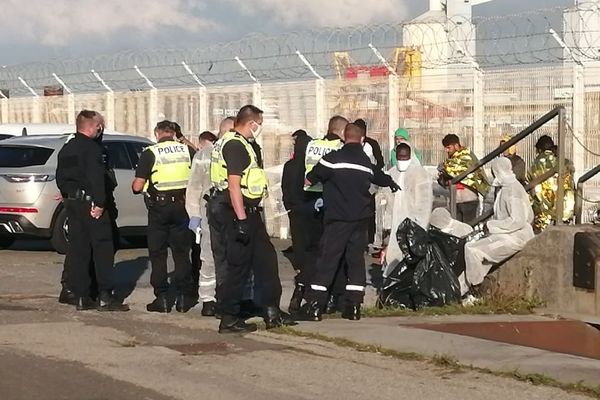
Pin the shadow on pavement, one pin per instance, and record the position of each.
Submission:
(127, 274)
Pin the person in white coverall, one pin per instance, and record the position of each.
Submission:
(414, 200)
(195, 204)
(509, 230)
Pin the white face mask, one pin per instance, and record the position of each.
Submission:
(256, 132)
(403, 165)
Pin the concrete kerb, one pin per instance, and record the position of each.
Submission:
(393, 336)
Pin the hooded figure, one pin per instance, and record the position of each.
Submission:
(509, 229)
(301, 216)
(414, 200)
(544, 196)
(292, 181)
(442, 220)
(402, 136)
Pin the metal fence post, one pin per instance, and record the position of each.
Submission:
(4, 117)
(71, 109)
(110, 110)
(478, 112)
(320, 104)
(578, 158)
(321, 111)
(36, 110)
(560, 192)
(202, 99)
(203, 109)
(109, 106)
(393, 110)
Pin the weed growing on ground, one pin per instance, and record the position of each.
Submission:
(485, 306)
(447, 362)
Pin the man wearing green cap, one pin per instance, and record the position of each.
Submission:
(402, 136)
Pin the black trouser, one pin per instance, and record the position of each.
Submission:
(347, 241)
(90, 240)
(313, 230)
(218, 211)
(372, 222)
(299, 231)
(196, 265)
(258, 257)
(113, 213)
(467, 212)
(168, 228)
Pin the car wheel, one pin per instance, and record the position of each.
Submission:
(6, 242)
(60, 233)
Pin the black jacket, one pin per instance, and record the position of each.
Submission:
(81, 167)
(292, 180)
(379, 162)
(347, 175)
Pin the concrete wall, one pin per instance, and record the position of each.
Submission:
(544, 269)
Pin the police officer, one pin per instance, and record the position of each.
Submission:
(347, 176)
(66, 295)
(314, 193)
(162, 174)
(240, 184)
(81, 179)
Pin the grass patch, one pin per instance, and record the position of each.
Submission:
(486, 306)
(446, 362)
(126, 343)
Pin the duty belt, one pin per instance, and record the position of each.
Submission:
(166, 198)
(253, 210)
(79, 194)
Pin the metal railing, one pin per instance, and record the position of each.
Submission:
(579, 193)
(556, 112)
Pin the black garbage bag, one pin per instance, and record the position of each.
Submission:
(452, 247)
(425, 276)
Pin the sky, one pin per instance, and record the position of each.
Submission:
(40, 30)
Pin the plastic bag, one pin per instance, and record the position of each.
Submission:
(452, 247)
(426, 276)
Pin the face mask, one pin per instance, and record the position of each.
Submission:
(256, 132)
(403, 165)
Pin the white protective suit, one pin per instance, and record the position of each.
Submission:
(414, 200)
(509, 230)
(199, 185)
(441, 219)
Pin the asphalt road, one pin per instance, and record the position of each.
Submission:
(51, 351)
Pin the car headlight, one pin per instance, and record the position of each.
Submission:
(28, 178)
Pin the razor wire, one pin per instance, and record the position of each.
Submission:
(490, 42)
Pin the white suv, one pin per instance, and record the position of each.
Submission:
(29, 202)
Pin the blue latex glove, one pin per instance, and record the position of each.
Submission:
(318, 205)
(195, 223)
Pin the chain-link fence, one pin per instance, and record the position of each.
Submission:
(492, 79)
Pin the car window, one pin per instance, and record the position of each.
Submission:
(118, 156)
(23, 156)
(135, 150)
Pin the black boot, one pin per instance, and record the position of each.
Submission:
(332, 304)
(159, 305)
(85, 303)
(184, 303)
(107, 302)
(274, 318)
(208, 309)
(248, 309)
(232, 324)
(296, 299)
(310, 312)
(67, 297)
(351, 312)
